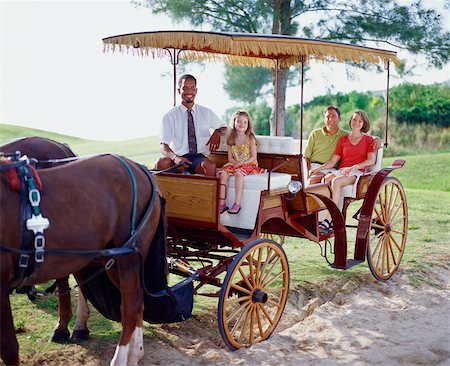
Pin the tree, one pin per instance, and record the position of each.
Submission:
(412, 27)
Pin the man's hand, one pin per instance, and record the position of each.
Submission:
(376, 143)
(181, 160)
(214, 141)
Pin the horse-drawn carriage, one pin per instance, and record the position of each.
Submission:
(234, 257)
(254, 291)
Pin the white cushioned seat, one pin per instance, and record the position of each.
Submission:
(253, 185)
(351, 190)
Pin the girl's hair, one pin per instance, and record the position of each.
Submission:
(231, 136)
(364, 117)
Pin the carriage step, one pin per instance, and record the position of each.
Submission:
(353, 262)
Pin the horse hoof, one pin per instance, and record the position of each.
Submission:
(60, 336)
(80, 335)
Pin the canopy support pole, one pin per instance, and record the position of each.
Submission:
(302, 59)
(386, 66)
(174, 59)
(277, 67)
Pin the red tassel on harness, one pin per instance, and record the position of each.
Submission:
(14, 181)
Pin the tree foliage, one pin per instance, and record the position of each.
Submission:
(366, 22)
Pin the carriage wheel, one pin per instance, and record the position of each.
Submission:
(278, 238)
(253, 294)
(388, 230)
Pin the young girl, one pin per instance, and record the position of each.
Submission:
(241, 143)
(356, 153)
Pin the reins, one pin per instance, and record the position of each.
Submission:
(128, 247)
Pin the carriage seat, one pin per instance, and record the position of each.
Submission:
(352, 190)
(272, 145)
(253, 185)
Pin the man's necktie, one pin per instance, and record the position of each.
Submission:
(192, 140)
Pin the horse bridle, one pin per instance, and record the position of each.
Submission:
(128, 247)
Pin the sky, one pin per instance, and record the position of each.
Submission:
(56, 77)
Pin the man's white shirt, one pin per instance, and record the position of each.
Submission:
(174, 131)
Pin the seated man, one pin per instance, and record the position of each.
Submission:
(322, 143)
(185, 134)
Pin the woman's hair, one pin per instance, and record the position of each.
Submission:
(364, 117)
(231, 136)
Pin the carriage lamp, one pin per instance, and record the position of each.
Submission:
(294, 186)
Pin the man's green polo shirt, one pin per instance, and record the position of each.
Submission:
(321, 145)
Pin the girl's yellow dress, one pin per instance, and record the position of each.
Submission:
(242, 153)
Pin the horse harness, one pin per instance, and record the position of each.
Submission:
(32, 252)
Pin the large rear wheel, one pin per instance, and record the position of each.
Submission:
(388, 230)
(253, 294)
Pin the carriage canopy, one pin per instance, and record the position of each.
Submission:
(252, 50)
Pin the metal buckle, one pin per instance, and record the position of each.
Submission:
(39, 244)
(34, 201)
(23, 260)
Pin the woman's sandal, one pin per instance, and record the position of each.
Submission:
(234, 209)
(222, 208)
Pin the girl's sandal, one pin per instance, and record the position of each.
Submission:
(234, 209)
(222, 208)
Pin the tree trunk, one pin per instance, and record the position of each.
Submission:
(281, 25)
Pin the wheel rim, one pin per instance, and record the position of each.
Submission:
(254, 294)
(388, 230)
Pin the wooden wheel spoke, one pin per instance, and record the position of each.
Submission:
(274, 278)
(245, 278)
(394, 214)
(258, 266)
(239, 299)
(241, 318)
(270, 270)
(252, 324)
(386, 252)
(394, 200)
(376, 226)
(239, 288)
(380, 247)
(236, 312)
(389, 229)
(246, 320)
(389, 201)
(259, 320)
(274, 290)
(396, 244)
(263, 269)
(381, 233)
(264, 310)
(392, 252)
(273, 303)
(251, 268)
(398, 220)
(379, 215)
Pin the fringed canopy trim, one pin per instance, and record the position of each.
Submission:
(243, 49)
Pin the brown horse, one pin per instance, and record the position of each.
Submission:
(90, 205)
(45, 150)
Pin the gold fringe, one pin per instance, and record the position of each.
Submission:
(251, 50)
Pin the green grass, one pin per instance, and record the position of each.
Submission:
(425, 178)
(431, 172)
(144, 150)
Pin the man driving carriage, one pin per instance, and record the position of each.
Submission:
(185, 133)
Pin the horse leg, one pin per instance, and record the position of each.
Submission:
(9, 347)
(80, 330)
(131, 310)
(61, 332)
